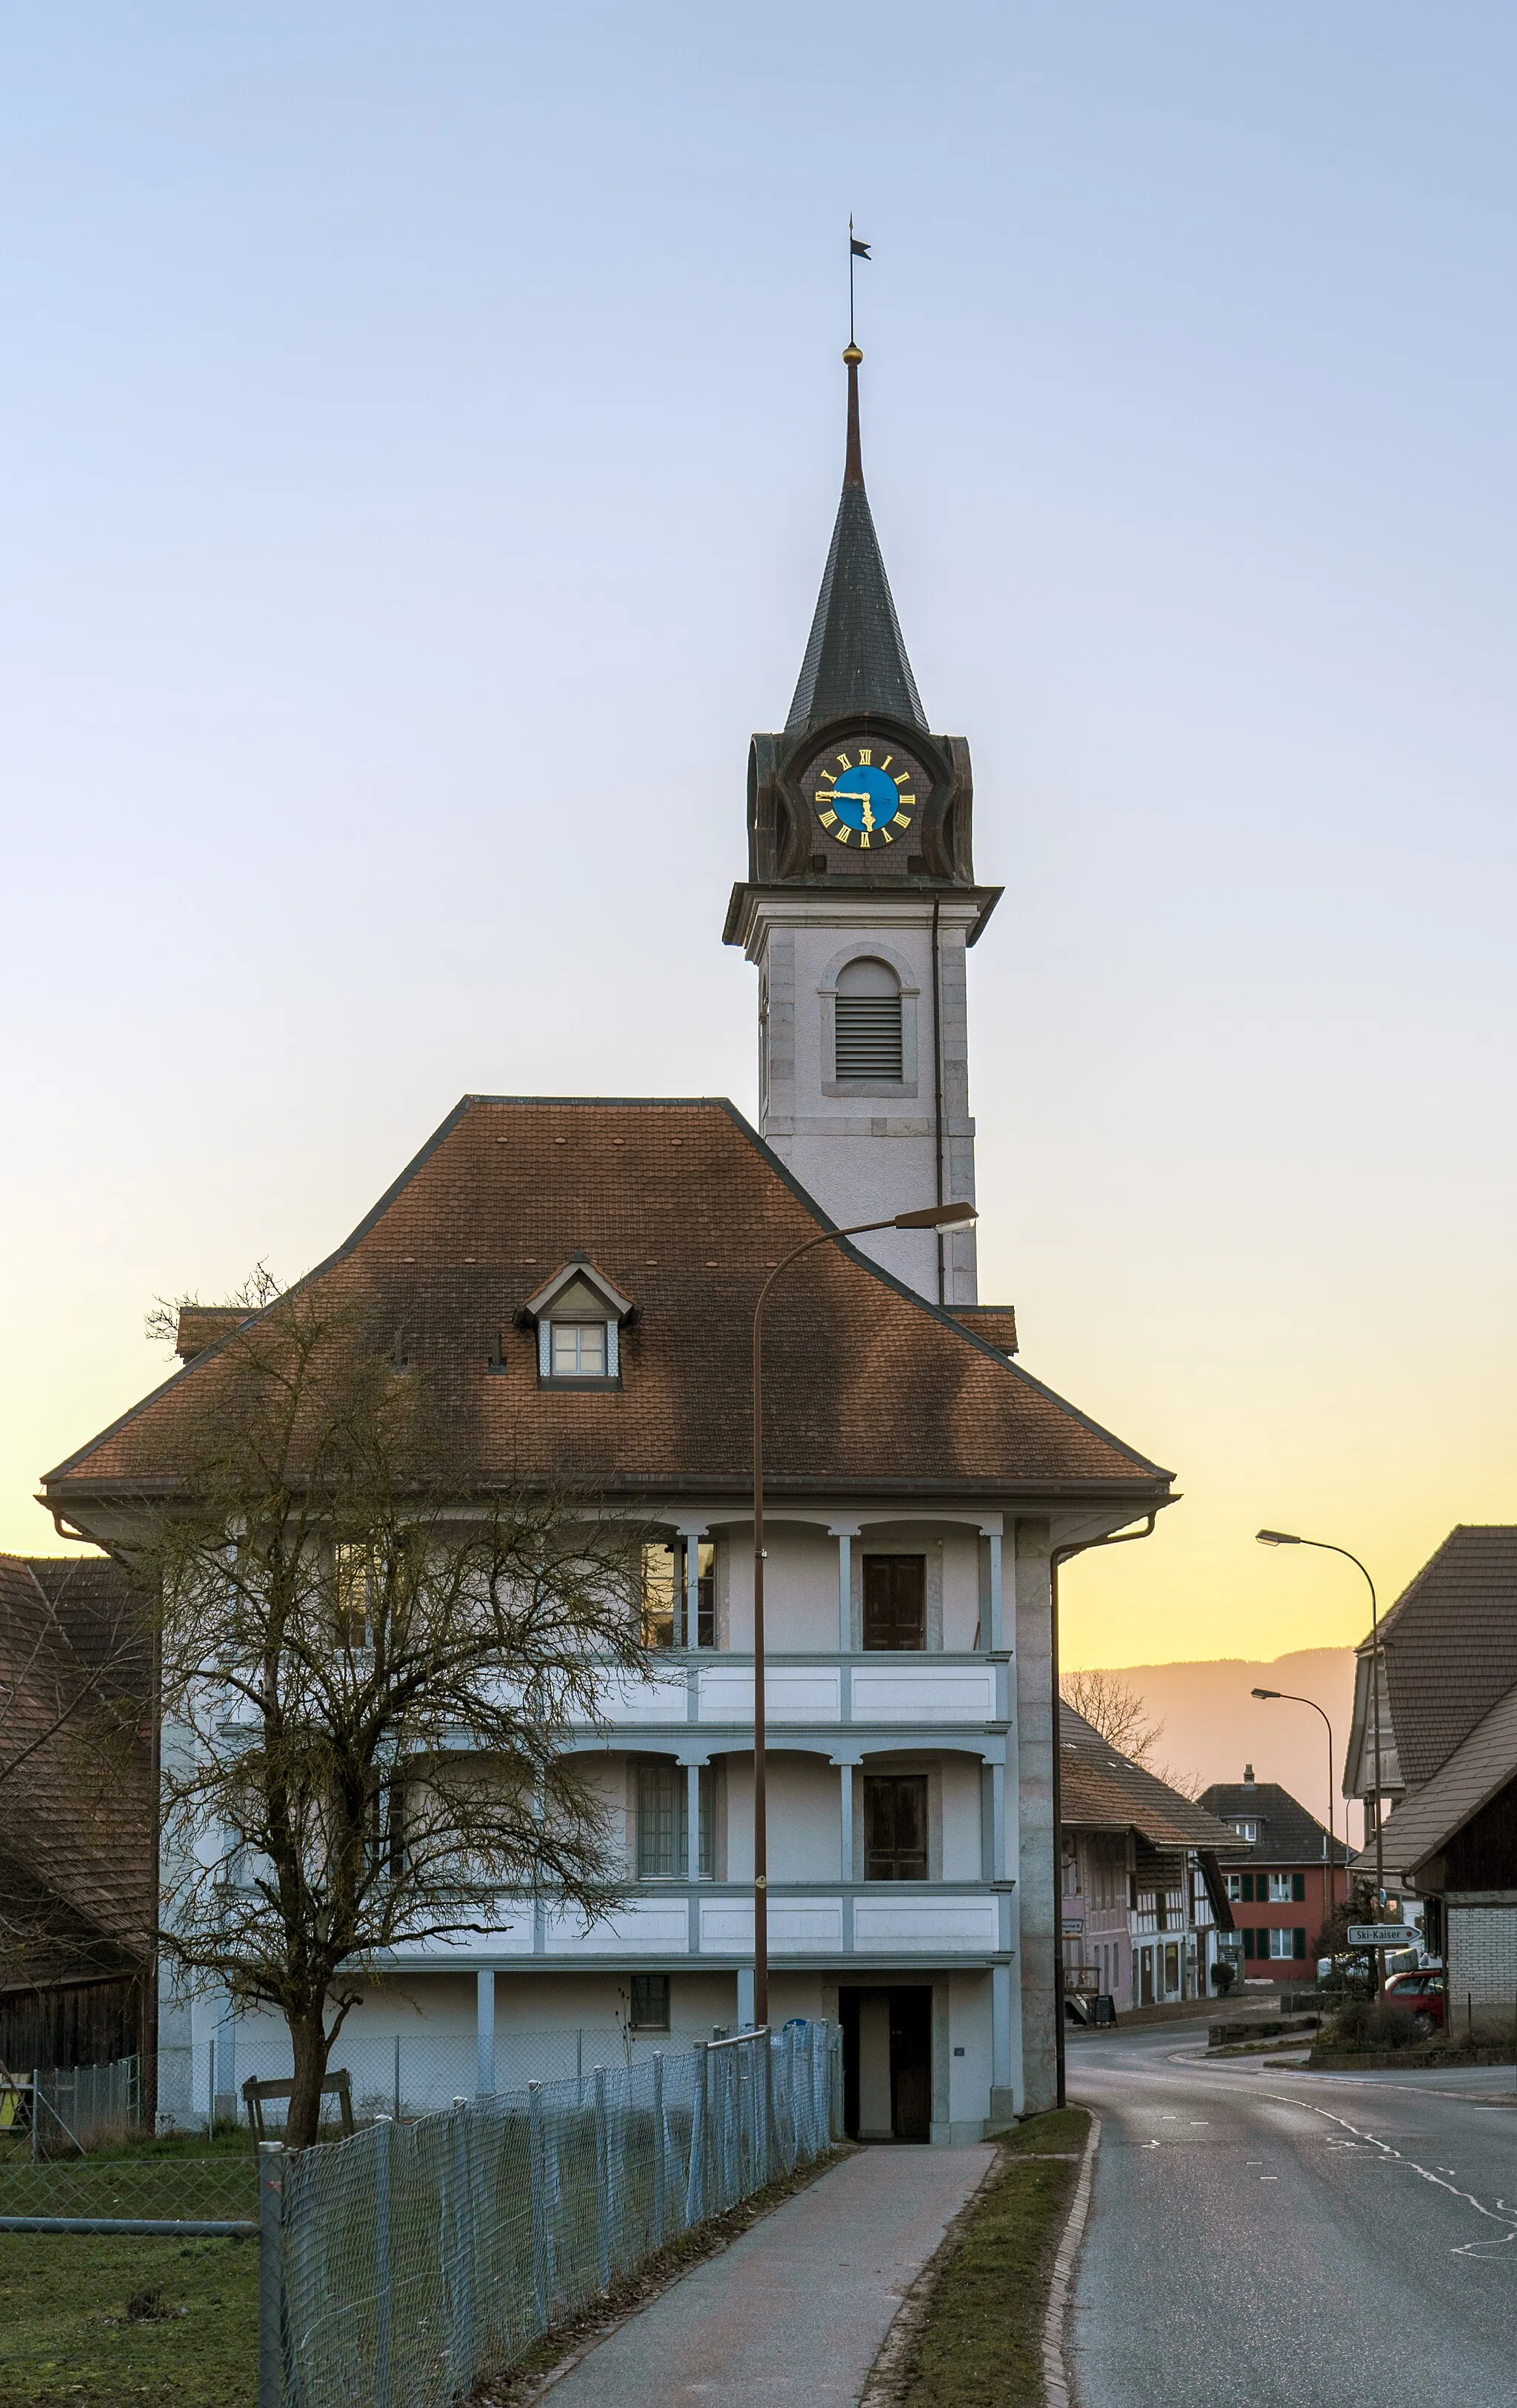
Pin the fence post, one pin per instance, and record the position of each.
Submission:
(770, 2136)
(539, 2204)
(661, 2171)
(603, 2183)
(695, 2190)
(458, 2240)
(36, 2107)
(272, 2161)
(383, 2130)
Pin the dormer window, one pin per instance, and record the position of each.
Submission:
(578, 1315)
(577, 1350)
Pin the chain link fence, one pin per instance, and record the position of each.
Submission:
(72, 2157)
(409, 2073)
(402, 2264)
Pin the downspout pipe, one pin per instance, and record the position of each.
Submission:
(1058, 1558)
(937, 1086)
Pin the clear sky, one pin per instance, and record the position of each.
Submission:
(419, 440)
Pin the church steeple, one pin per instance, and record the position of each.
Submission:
(855, 660)
(859, 904)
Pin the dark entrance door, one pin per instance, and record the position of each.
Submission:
(887, 2062)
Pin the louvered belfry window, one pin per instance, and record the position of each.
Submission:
(868, 1023)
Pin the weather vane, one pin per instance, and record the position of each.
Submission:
(856, 249)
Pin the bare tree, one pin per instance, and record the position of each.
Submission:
(1116, 1711)
(367, 1669)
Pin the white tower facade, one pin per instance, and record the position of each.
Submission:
(858, 911)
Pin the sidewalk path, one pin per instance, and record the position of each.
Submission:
(792, 2314)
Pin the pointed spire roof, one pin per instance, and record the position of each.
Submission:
(855, 659)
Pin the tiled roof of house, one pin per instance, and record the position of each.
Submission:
(1428, 1817)
(685, 1210)
(1103, 1791)
(1288, 1835)
(997, 1322)
(1451, 1645)
(75, 1828)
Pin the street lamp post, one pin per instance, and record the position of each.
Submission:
(1289, 1538)
(933, 1216)
(1286, 1699)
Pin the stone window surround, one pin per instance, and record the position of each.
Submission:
(869, 949)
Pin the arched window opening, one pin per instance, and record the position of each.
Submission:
(868, 1023)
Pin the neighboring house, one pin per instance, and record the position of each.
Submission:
(1144, 1907)
(1451, 1657)
(1280, 1883)
(580, 1276)
(76, 1821)
(1449, 1654)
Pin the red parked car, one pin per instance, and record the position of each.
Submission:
(1420, 1994)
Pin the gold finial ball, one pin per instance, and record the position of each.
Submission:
(852, 356)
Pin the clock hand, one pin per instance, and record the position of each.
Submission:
(868, 813)
(845, 795)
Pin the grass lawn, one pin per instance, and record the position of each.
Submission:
(979, 2342)
(65, 2338)
(67, 2342)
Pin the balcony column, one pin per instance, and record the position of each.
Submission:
(692, 1822)
(484, 2028)
(845, 1533)
(846, 1766)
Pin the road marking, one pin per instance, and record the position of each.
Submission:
(1498, 2213)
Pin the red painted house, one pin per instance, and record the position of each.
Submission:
(1283, 1880)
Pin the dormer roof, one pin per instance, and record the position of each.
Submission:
(578, 1287)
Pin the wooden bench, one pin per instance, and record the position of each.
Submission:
(337, 2085)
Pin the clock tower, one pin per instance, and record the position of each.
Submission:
(858, 907)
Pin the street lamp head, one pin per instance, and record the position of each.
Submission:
(1277, 1538)
(1267, 1693)
(937, 1216)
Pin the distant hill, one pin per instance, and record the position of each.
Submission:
(1212, 1727)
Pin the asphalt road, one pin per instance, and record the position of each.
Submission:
(1285, 2240)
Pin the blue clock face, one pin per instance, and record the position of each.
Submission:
(865, 797)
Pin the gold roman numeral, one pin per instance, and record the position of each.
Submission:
(888, 759)
(905, 777)
(846, 762)
(909, 799)
(864, 843)
(824, 796)
(887, 834)
(866, 759)
(902, 819)
(829, 819)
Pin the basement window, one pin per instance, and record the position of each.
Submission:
(650, 2002)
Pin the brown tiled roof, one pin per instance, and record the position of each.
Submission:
(1451, 1645)
(201, 1324)
(1288, 1835)
(685, 1209)
(1103, 1791)
(1483, 1762)
(74, 1818)
(997, 1322)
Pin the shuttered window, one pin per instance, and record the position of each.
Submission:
(868, 1023)
(868, 1037)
